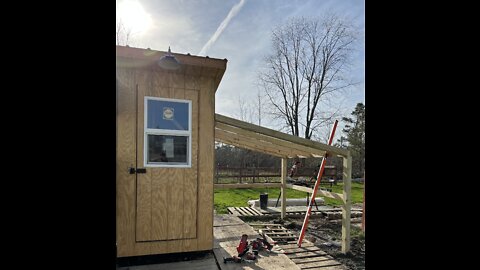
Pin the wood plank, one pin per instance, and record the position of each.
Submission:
(233, 211)
(325, 263)
(293, 248)
(238, 211)
(192, 78)
(243, 211)
(290, 249)
(268, 230)
(226, 220)
(160, 200)
(281, 236)
(260, 140)
(265, 224)
(334, 267)
(248, 209)
(175, 188)
(266, 146)
(247, 185)
(229, 235)
(159, 205)
(168, 174)
(258, 213)
(276, 229)
(125, 182)
(319, 192)
(191, 174)
(315, 258)
(300, 149)
(283, 194)
(346, 207)
(228, 138)
(206, 146)
(144, 181)
(227, 238)
(307, 254)
(279, 135)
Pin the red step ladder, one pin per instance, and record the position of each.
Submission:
(315, 188)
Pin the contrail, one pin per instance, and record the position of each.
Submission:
(235, 9)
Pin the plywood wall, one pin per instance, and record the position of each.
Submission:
(182, 195)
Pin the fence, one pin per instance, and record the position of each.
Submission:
(227, 175)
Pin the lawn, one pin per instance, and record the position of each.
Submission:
(224, 198)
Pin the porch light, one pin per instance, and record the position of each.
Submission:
(168, 61)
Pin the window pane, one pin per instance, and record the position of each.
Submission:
(167, 115)
(167, 149)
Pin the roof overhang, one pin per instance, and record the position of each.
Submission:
(245, 135)
(130, 57)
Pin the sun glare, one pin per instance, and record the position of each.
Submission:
(133, 16)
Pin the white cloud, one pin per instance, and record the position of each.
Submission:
(233, 12)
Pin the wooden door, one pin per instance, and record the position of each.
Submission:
(166, 190)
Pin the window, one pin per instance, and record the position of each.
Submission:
(168, 132)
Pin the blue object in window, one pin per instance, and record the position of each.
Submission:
(167, 115)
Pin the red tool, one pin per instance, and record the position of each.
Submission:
(242, 247)
(317, 184)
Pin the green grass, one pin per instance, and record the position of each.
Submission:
(224, 198)
(357, 194)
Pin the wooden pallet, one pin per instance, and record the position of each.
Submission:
(308, 256)
(252, 211)
(244, 211)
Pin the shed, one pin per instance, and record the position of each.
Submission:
(165, 152)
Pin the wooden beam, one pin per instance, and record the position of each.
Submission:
(283, 190)
(262, 145)
(223, 137)
(280, 135)
(254, 185)
(306, 151)
(346, 207)
(233, 139)
(273, 147)
(321, 192)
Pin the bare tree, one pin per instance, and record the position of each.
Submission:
(123, 34)
(245, 109)
(259, 107)
(307, 65)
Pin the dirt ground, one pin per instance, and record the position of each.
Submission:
(327, 235)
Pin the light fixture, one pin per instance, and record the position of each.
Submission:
(168, 61)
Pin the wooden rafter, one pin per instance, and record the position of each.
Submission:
(279, 135)
(225, 137)
(300, 150)
(264, 145)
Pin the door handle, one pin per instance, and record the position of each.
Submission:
(132, 170)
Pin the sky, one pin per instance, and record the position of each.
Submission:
(239, 30)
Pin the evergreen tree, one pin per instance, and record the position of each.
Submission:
(355, 132)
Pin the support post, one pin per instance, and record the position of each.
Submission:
(347, 202)
(363, 209)
(283, 189)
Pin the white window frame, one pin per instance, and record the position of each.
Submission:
(152, 131)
